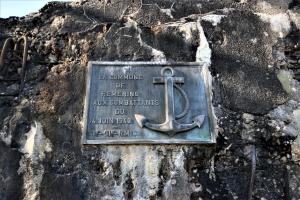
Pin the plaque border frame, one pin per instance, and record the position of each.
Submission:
(208, 88)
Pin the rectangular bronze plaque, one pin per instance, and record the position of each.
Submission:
(147, 102)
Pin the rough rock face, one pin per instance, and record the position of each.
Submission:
(252, 50)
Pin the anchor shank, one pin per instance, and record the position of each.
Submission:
(169, 100)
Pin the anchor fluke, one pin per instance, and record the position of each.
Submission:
(199, 120)
(140, 119)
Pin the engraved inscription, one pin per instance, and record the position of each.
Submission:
(143, 102)
(112, 120)
(122, 77)
(119, 93)
(115, 133)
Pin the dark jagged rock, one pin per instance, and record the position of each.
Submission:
(253, 55)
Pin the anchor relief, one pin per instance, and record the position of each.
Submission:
(170, 126)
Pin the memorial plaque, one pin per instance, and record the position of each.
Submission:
(147, 102)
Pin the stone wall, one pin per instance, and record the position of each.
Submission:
(252, 51)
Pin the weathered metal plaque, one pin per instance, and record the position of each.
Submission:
(147, 102)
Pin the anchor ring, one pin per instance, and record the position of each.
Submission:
(167, 71)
